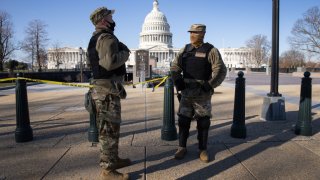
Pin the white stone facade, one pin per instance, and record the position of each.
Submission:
(69, 58)
(157, 39)
(237, 57)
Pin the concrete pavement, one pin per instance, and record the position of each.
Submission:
(60, 149)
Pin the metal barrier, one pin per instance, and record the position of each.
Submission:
(168, 131)
(303, 125)
(23, 132)
(238, 128)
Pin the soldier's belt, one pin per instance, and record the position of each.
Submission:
(186, 80)
(193, 85)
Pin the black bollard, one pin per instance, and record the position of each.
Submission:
(93, 134)
(238, 128)
(303, 125)
(23, 131)
(168, 131)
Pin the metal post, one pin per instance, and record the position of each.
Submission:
(93, 134)
(268, 67)
(303, 125)
(23, 131)
(80, 53)
(275, 50)
(228, 74)
(273, 108)
(168, 131)
(238, 128)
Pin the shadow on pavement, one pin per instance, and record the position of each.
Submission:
(245, 154)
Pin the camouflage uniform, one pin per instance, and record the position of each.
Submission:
(107, 57)
(108, 109)
(196, 93)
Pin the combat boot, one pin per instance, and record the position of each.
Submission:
(204, 157)
(181, 152)
(120, 163)
(113, 174)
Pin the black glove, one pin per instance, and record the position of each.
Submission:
(180, 85)
(206, 86)
(123, 47)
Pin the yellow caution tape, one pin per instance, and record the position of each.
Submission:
(79, 85)
(7, 79)
(148, 81)
(48, 82)
(163, 80)
(57, 83)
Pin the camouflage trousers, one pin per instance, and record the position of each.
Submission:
(198, 108)
(108, 121)
(195, 107)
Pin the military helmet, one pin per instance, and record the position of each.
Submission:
(99, 14)
(197, 28)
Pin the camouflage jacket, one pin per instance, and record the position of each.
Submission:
(110, 57)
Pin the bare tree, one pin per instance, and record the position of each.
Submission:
(29, 47)
(6, 35)
(35, 41)
(311, 64)
(43, 57)
(260, 47)
(11, 65)
(292, 59)
(306, 32)
(57, 54)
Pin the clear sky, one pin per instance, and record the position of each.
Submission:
(230, 23)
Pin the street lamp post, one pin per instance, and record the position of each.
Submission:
(273, 108)
(275, 50)
(80, 53)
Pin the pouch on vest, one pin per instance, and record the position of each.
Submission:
(122, 91)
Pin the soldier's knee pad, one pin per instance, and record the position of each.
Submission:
(203, 123)
(184, 121)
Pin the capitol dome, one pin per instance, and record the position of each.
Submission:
(155, 29)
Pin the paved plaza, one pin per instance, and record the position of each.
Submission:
(60, 149)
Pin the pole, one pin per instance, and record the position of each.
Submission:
(238, 128)
(93, 134)
(275, 50)
(304, 125)
(23, 132)
(81, 78)
(80, 52)
(273, 108)
(168, 130)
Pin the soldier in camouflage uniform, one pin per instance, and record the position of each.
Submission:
(196, 71)
(107, 56)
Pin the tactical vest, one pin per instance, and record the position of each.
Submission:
(195, 63)
(98, 71)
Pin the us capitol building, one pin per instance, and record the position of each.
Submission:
(157, 39)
